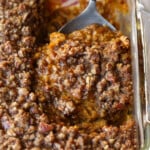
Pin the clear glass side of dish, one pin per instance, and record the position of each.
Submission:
(130, 27)
(143, 15)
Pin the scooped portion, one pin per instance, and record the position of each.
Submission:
(86, 75)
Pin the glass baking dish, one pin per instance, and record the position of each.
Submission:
(143, 15)
(131, 24)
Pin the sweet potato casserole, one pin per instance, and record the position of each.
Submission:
(69, 92)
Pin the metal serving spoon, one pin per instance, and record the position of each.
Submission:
(89, 16)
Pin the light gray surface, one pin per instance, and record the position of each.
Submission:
(146, 4)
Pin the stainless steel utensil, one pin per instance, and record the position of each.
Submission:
(89, 16)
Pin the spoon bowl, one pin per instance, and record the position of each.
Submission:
(89, 16)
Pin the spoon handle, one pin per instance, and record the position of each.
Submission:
(91, 6)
